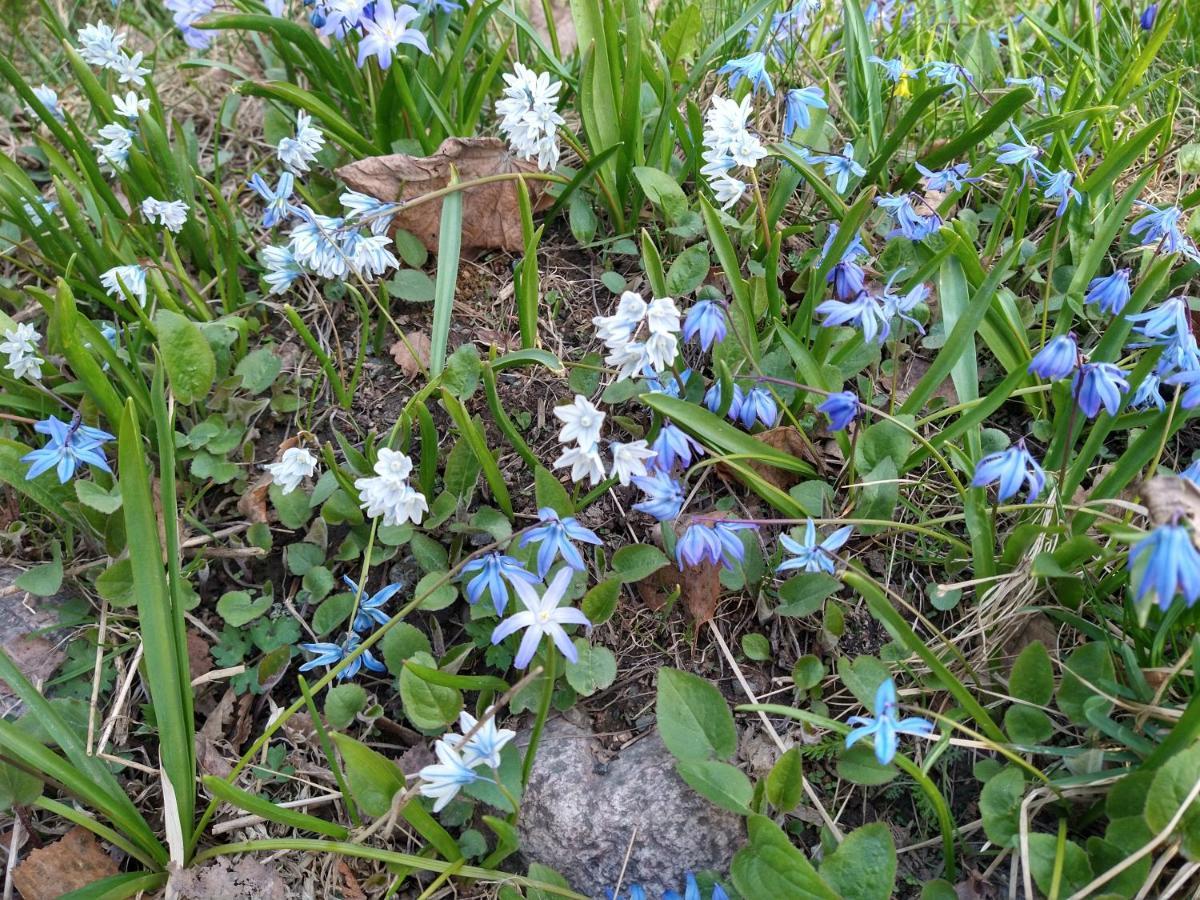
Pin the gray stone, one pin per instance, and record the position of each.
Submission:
(28, 635)
(580, 816)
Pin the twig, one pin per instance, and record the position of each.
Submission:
(119, 702)
(244, 821)
(13, 847)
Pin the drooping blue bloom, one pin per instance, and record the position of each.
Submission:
(1180, 354)
(1019, 153)
(898, 306)
(1160, 228)
(713, 399)
(1009, 469)
(1149, 14)
(363, 209)
(493, 570)
(759, 405)
(673, 446)
(664, 495)
(854, 250)
(711, 540)
(799, 102)
(846, 276)
(1057, 359)
(1166, 322)
(752, 66)
(1060, 186)
(784, 29)
(1099, 384)
(842, 409)
(706, 320)
(1109, 292)
(1148, 394)
(863, 312)
(910, 223)
(841, 168)
(70, 444)
(1190, 398)
(330, 654)
(554, 536)
(282, 268)
(370, 607)
(668, 383)
(1172, 566)
(950, 74)
(894, 69)
(811, 555)
(946, 180)
(278, 200)
(884, 728)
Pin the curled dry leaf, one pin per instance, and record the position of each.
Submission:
(491, 212)
(1170, 498)
(72, 862)
(411, 353)
(788, 439)
(699, 589)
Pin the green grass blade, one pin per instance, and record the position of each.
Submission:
(446, 282)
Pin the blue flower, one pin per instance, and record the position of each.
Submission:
(1109, 292)
(674, 446)
(753, 66)
(758, 405)
(946, 180)
(949, 74)
(809, 555)
(670, 384)
(1146, 20)
(894, 69)
(1148, 394)
(799, 102)
(842, 409)
(863, 312)
(69, 445)
(1160, 228)
(1057, 359)
(853, 251)
(370, 608)
(1010, 469)
(691, 891)
(1019, 153)
(1172, 566)
(1165, 323)
(494, 568)
(848, 279)
(636, 892)
(711, 540)
(1180, 354)
(706, 320)
(1060, 186)
(910, 223)
(329, 654)
(884, 727)
(1190, 378)
(278, 201)
(555, 536)
(664, 495)
(542, 616)
(713, 399)
(841, 168)
(1099, 384)
(898, 306)
(386, 30)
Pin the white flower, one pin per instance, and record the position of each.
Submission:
(542, 616)
(585, 462)
(393, 464)
(48, 97)
(727, 189)
(661, 350)
(629, 360)
(293, 467)
(483, 747)
(581, 422)
(20, 344)
(282, 268)
(129, 69)
(725, 122)
(131, 105)
(171, 214)
(529, 115)
(662, 315)
(299, 152)
(132, 278)
(115, 152)
(444, 781)
(369, 255)
(314, 244)
(629, 460)
(99, 45)
(391, 498)
(747, 150)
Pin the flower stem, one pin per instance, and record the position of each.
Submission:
(535, 735)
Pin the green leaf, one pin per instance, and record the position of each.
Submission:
(1076, 870)
(688, 271)
(549, 491)
(92, 495)
(1089, 664)
(1172, 783)
(756, 647)
(785, 782)
(187, 355)
(858, 765)
(427, 706)
(633, 562)
(402, 642)
(1000, 806)
(411, 286)
(718, 782)
(449, 249)
(261, 806)
(343, 703)
(374, 779)
(808, 672)
(864, 864)
(238, 609)
(663, 191)
(258, 370)
(115, 584)
(770, 866)
(43, 580)
(437, 595)
(335, 610)
(694, 720)
(595, 670)
(600, 602)
(17, 787)
(863, 676)
(1032, 677)
(1027, 725)
(803, 594)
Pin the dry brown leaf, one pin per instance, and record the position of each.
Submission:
(491, 212)
(912, 370)
(412, 353)
(253, 503)
(226, 726)
(199, 660)
(72, 862)
(245, 879)
(788, 439)
(1170, 498)
(352, 890)
(699, 589)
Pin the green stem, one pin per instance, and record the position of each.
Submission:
(535, 736)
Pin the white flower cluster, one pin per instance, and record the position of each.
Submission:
(530, 115)
(170, 214)
(131, 105)
(112, 151)
(581, 425)
(299, 152)
(131, 278)
(729, 143)
(20, 344)
(622, 334)
(293, 467)
(388, 492)
(100, 46)
(459, 756)
(334, 247)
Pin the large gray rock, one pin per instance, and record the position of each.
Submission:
(580, 815)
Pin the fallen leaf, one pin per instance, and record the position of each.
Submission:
(199, 660)
(26, 635)
(217, 734)
(253, 503)
(491, 212)
(412, 353)
(72, 862)
(352, 891)
(245, 879)
(1170, 498)
(699, 589)
(788, 439)
(912, 370)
